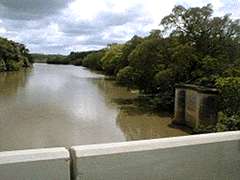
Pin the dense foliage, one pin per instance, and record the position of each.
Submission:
(42, 58)
(58, 60)
(193, 47)
(93, 60)
(13, 55)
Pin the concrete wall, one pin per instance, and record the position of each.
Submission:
(49, 163)
(195, 106)
(205, 156)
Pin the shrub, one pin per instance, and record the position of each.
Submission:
(58, 60)
(93, 60)
(164, 100)
(13, 65)
(229, 98)
(124, 76)
(112, 59)
(226, 123)
(78, 62)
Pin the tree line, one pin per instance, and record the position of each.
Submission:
(13, 55)
(193, 47)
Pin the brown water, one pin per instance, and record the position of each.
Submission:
(57, 105)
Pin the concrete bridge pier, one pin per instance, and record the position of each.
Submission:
(195, 106)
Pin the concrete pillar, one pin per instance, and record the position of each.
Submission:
(179, 109)
(195, 106)
(207, 115)
(192, 106)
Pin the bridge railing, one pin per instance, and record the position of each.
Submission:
(204, 156)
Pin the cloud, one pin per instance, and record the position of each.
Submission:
(62, 26)
(104, 20)
(231, 7)
(31, 9)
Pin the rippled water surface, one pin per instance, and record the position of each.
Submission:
(64, 105)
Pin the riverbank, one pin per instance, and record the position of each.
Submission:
(82, 107)
(138, 120)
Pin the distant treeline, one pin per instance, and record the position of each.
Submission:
(42, 58)
(74, 58)
(13, 55)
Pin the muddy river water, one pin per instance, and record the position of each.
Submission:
(65, 105)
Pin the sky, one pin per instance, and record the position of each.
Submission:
(63, 26)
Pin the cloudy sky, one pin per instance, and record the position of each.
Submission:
(62, 26)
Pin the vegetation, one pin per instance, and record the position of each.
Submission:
(194, 47)
(92, 60)
(42, 58)
(13, 55)
(58, 60)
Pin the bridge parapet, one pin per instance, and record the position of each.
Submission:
(46, 163)
(203, 156)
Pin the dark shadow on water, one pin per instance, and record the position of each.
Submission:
(121, 101)
(182, 128)
(133, 106)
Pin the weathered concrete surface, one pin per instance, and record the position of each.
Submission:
(49, 163)
(205, 156)
(180, 105)
(195, 106)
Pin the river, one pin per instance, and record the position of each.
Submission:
(65, 105)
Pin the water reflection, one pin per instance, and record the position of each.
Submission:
(51, 106)
(12, 81)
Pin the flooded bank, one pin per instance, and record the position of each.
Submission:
(57, 105)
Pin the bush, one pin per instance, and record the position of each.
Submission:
(164, 79)
(58, 60)
(164, 100)
(124, 76)
(229, 97)
(93, 60)
(78, 62)
(13, 65)
(226, 123)
(232, 72)
(112, 58)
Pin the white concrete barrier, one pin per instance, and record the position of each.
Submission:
(205, 156)
(48, 163)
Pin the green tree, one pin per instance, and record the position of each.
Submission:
(195, 26)
(112, 58)
(124, 76)
(93, 60)
(129, 46)
(13, 55)
(143, 61)
(229, 98)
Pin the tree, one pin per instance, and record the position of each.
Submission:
(143, 61)
(112, 58)
(93, 60)
(196, 27)
(124, 76)
(129, 46)
(13, 55)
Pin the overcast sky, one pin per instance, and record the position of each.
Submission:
(62, 26)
